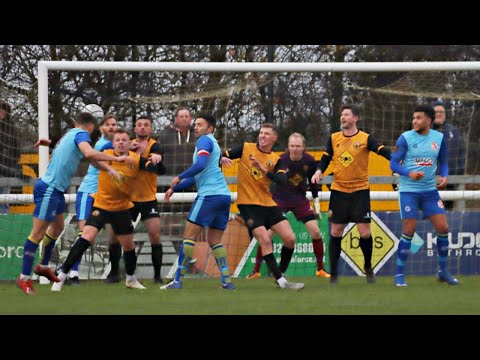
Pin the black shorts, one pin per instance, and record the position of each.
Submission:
(349, 207)
(148, 209)
(256, 215)
(121, 221)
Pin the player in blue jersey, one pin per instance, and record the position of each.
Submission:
(211, 207)
(89, 186)
(415, 157)
(48, 195)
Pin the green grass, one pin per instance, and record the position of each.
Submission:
(423, 296)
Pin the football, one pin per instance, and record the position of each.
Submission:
(95, 110)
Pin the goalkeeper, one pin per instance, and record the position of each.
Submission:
(292, 197)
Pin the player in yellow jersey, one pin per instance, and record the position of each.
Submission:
(112, 204)
(144, 199)
(257, 169)
(350, 191)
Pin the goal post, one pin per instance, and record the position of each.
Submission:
(386, 112)
(45, 66)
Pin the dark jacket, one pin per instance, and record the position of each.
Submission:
(178, 149)
(456, 148)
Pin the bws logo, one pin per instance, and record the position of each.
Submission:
(346, 159)
(384, 246)
(257, 174)
(121, 180)
(423, 161)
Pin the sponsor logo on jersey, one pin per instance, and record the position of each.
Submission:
(423, 161)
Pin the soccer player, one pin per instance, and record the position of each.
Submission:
(48, 194)
(258, 169)
(292, 197)
(89, 186)
(144, 199)
(350, 192)
(211, 207)
(415, 157)
(112, 205)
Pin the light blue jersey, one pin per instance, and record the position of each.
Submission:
(416, 152)
(65, 159)
(211, 180)
(89, 183)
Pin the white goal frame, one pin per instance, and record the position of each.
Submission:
(45, 66)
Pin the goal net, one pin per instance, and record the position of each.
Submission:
(304, 100)
(18, 171)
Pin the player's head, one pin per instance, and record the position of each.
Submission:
(143, 127)
(86, 121)
(267, 136)
(204, 124)
(423, 117)
(349, 115)
(121, 141)
(296, 146)
(108, 126)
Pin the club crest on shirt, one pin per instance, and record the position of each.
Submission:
(296, 179)
(356, 145)
(434, 146)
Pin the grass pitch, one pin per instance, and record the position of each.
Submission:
(352, 296)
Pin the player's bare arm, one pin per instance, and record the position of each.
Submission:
(43, 142)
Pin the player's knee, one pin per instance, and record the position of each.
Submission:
(289, 242)
(442, 230)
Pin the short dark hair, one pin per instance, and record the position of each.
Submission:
(427, 109)
(208, 118)
(121, 131)
(86, 118)
(353, 108)
(144, 117)
(270, 126)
